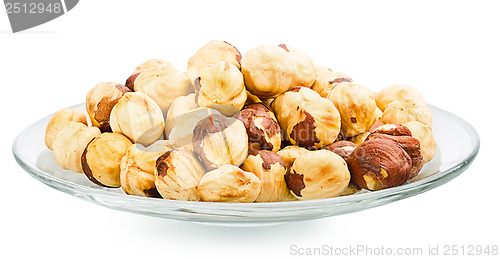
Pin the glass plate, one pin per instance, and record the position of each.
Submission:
(457, 141)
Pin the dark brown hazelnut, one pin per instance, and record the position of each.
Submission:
(262, 127)
(342, 148)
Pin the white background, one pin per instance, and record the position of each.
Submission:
(448, 50)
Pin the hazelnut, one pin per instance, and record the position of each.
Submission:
(219, 141)
(399, 113)
(272, 70)
(101, 100)
(307, 119)
(177, 175)
(326, 80)
(262, 127)
(180, 105)
(182, 132)
(379, 163)
(70, 142)
(356, 105)
(162, 86)
(352, 188)
(138, 117)
(251, 99)
(342, 148)
(401, 93)
(102, 156)
(271, 169)
(229, 184)
(220, 86)
(378, 114)
(214, 51)
(290, 153)
(137, 168)
(59, 120)
(317, 174)
(424, 135)
(360, 138)
(148, 65)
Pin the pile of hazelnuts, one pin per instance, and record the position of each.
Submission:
(266, 126)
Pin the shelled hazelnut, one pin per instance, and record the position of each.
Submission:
(182, 133)
(101, 100)
(424, 135)
(137, 168)
(59, 120)
(271, 169)
(290, 153)
(177, 175)
(211, 53)
(326, 80)
(138, 117)
(402, 112)
(70, 142)
(180, 106)
(400, 93)
(153, 63)
(262, 127)
(229, 183)
(342, 148)
(102, 156)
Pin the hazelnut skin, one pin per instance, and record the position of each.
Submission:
(271, 169)
(379, 163)
(101, 100)
(70, 142)
(326, 80)
(424, 135)
(163, 86)
(229, 184)
(182, 132)
(211, 53)
(180, 105)
(262, 127)
(138, 117)
(220, 86)
(59, 120)
(342, 148)
(290, 153)
(272, 70)
(137, 168)
(356, 105)
(401, 93)
(317, 174)
(219, 141)
(307, 119)
(177, 175)
(102, 156)
(399, 113)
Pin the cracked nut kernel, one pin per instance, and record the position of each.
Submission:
(229, 183)
(379, 163)
(101, 100)
(262, 127)
(401, 93)
(211, 53)
(400, 113)
(70, 142)
(317, 174)
(424, 135)
(180, 106)
(356, 105)
(326, 80)
(271, 169)
(220, 86)
(102, 156)
(137, 168)
(177, 175)
(307, 119)
(342, 148)
(138, 117)
(219, 141)
(59, 120)
(290, 153)
(182, 132)
(272, 70)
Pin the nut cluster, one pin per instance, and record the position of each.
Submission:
(265, 126)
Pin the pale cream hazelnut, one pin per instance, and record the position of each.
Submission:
(102, 156)
(182, 132)
(272, 70)
(138, 117)
(155, 63)
(402, 112)
(401, 93)
(59, 120)
(180, 106)
(425, 137)
(220, 86)
(70, 142)
(229, 183)
(356, 105)
(101, 100)
(271, 169)
(318, 174)
(290, 153)
(177, 175)
(137, 168)
(211, 53)
(326, 80)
